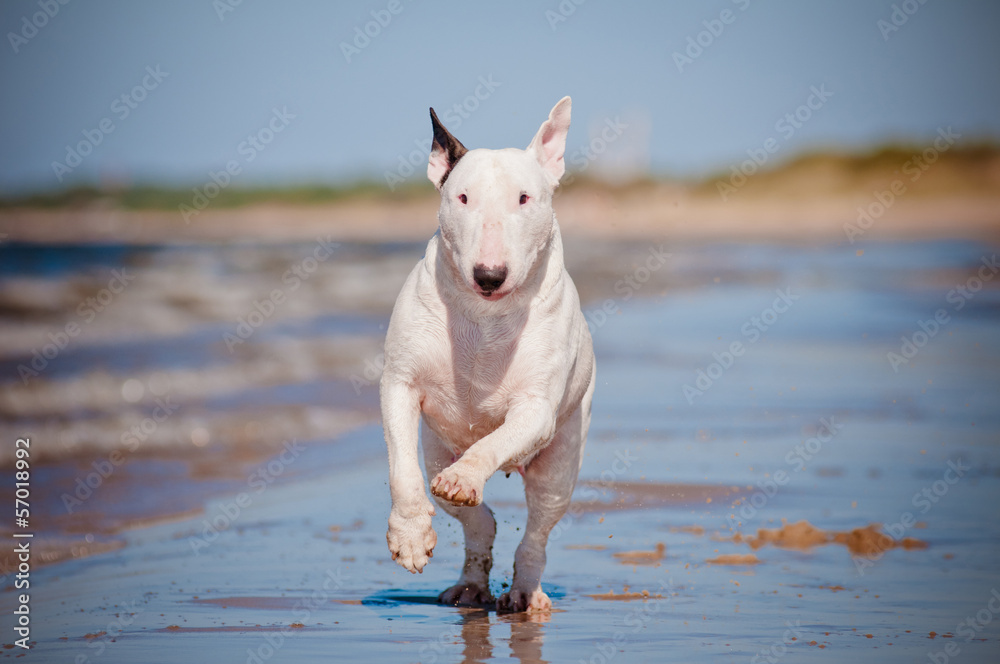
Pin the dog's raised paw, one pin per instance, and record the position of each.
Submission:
(455, 487)
(467, 594)
(517, 601)
(411, 540)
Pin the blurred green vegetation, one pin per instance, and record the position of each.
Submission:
(152, 197)
(962, 168)
(959, 169)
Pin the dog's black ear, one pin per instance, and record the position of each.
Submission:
(445, 153)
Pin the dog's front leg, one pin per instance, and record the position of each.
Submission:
(410, 536)
(529, 426)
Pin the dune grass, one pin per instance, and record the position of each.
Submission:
(964, 168)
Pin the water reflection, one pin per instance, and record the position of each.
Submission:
(481, 629)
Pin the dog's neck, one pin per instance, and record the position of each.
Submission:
(542, 281)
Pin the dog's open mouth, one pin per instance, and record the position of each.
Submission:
(493, 296)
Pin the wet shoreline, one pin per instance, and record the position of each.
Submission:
(254, 514)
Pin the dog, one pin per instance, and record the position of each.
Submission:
(488, 352)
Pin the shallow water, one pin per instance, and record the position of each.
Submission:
(809, 421)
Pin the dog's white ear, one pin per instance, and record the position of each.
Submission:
(445, 153)
(549, 143)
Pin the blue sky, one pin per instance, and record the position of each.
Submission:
(229, 75)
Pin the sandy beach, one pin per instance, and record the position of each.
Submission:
(662, 212)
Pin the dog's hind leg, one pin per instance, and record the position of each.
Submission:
(548, 487)
(478, 524)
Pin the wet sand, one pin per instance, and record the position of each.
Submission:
(662, 213)
(869, 541)
(726, 525)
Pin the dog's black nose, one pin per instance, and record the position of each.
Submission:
(489, 278)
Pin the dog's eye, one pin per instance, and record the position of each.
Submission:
(524, 199)
(463, 198)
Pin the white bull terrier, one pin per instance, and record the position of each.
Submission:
(488, 344)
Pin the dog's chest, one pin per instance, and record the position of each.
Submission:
(467, 391)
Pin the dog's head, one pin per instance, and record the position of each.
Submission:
(496, 205)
